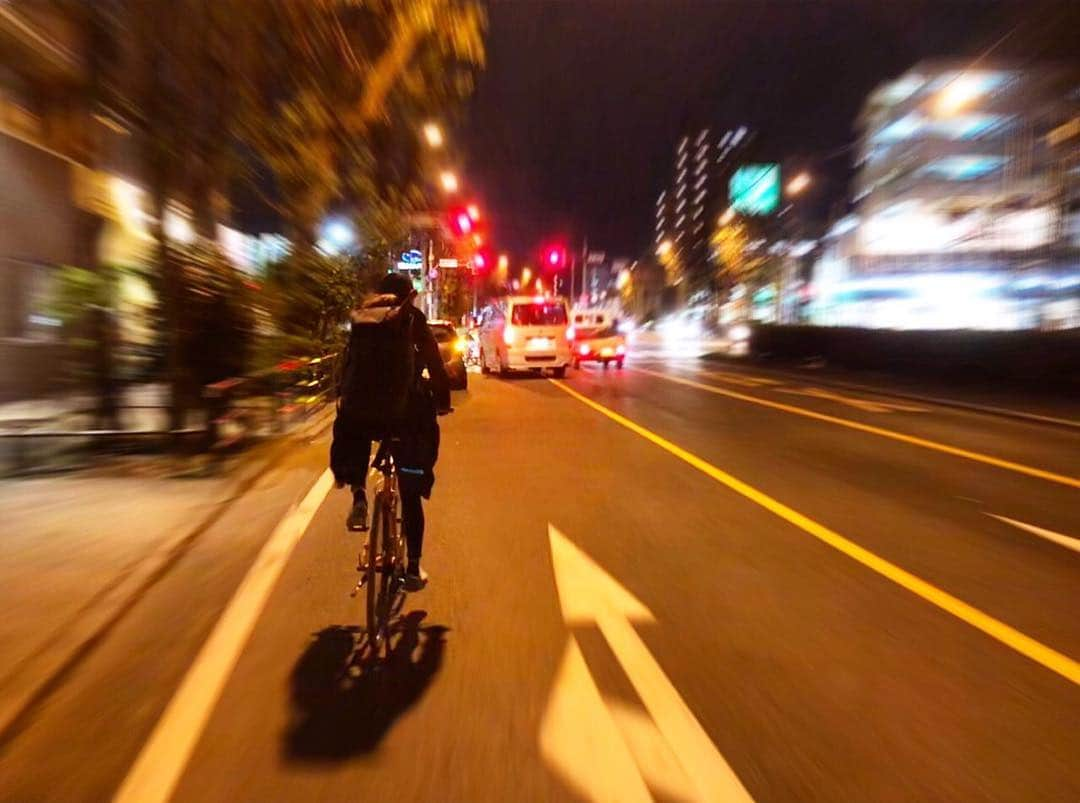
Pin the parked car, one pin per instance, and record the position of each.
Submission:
(452, 347)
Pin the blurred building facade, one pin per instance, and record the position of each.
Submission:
(696, 194)
(71, 188)
(966, 203)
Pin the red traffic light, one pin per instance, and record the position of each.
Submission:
(459, 222)
(553, 257)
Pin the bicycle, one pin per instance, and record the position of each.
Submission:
(382, 561)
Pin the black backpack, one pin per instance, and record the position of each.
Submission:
(380, 365)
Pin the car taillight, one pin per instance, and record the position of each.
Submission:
(583, 350)
(620, 349)
(570, 333)
(508, 335)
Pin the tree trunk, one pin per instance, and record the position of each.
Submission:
(171, 288)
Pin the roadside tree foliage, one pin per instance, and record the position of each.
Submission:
(308, 104)
(736, 261)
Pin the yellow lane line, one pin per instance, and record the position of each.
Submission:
(1023, 644)
(1020, 468)
(746, 381)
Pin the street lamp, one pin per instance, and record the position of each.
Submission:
(433, 134)
(504, 263)
(958, 93)
(474, 212)
(664, 248)
(728, 216)
(526, 276)
(449, 181)
(798, 184)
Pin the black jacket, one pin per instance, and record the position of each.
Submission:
(436, 384)
(428, 357)
(350, 451)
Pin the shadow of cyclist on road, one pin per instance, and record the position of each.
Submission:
(344, 704)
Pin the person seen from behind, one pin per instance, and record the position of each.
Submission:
(393, 384)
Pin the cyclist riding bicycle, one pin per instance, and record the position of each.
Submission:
(414, 433)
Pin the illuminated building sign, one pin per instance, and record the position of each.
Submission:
(754, 189)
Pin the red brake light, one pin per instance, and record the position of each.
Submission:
(508, 335)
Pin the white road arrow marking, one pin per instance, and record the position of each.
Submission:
(579, 739)
(590, 596)
(1066, 541)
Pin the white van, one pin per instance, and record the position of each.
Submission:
(525, 333)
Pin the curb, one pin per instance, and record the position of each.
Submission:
(36, 676)
(1001, 412)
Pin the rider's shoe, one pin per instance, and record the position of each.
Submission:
(357, 520)
(415, 578)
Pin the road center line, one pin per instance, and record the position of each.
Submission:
(157, 770)
(978, 457)
(1025, 645)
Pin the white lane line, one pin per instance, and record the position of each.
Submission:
(1066, 541)
(157, 770)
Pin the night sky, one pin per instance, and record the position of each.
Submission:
(574, 123)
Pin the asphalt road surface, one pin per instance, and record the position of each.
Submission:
(671, 582)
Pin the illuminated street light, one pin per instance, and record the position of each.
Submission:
(449, 181)
(526, 276)
(728, 216)
(504, 263)
(664, 248)
(798, 184)
(433, 134)
(337, 236)
(958, 93)
(474, 212)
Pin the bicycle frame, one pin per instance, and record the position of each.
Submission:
(383, 565)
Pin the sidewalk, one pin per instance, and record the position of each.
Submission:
(141, 407)
(78, 548)
(1031, 404)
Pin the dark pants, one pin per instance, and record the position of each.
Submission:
(415, 453)
(412, 522)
